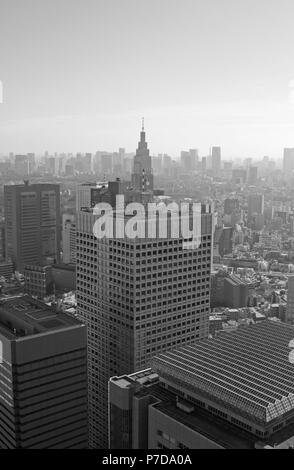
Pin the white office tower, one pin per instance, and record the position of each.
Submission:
(138, 297)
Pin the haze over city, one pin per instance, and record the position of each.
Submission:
(78, 76)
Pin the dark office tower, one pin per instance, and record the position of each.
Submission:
(32, 224)
(142, 176)
(255, 204)
(230, 205)
(137, 297)
(216, 160)
(43, 376)
(252, 175)
(288, 161)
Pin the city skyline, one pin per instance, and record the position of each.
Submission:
(202, 74)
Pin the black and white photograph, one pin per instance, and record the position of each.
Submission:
(146, 228)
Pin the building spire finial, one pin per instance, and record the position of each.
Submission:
(142, 124)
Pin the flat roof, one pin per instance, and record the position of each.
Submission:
(25, 316)
(247, 370)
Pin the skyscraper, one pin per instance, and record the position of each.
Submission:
(216, 160)
(288, 161)
(255, 204)
(43, 376)
(252, 175)
(142, 176)
(137, 297)
(32, 223)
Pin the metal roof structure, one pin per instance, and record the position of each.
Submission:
(247, 371)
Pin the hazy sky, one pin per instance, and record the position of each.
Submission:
(79, 74)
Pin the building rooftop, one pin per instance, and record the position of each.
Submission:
(247, 370)
(25, 316)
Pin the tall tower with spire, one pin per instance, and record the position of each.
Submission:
(142, 177)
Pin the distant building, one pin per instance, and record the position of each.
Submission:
(228, 290)
(216, 160)
(236, 292)
(90, 194)
(223, 241)
(189, 160)
(38, 281)
(255, 205)
(86, 195)
(256, 211)
(142, 176)
(21, 165)
(239, 175)
(288, 161)
(204, 165)
(230, 205)
(252, 175)
(43, 375)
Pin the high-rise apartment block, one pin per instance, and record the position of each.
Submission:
(32, 224)
(43, 376)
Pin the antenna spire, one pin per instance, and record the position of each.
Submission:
(142, 124)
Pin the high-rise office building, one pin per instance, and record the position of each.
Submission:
(232, 392)
(142, 176)
(216, 160)
(255, 204)
(189, 160)
(231, 205)
(43, 376)
(194, 157)
(32, 224)
(252, 175)
(21, 165)
(288, 161)
(137, 297)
